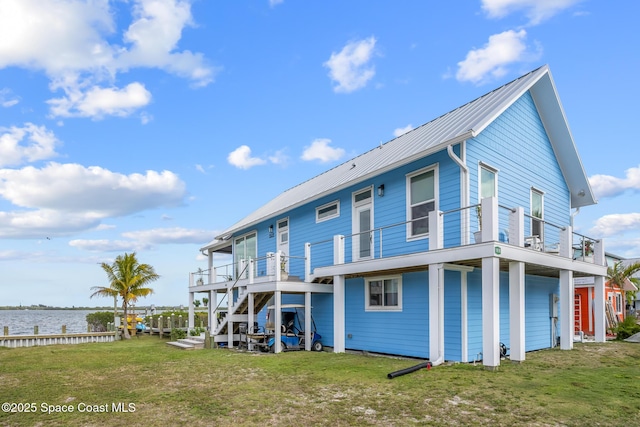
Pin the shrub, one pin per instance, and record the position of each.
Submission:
(178, 334)
(629, 326)
(197, 331)
(98, 321)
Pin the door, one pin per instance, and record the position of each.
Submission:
(283, 242)
(362, 225)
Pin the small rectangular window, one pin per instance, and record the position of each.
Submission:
(383, 294)
(421, 197)
(328, 211)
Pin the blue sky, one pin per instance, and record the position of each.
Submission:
(151, 125)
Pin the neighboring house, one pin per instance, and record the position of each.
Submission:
(614, 297)
(443, 243)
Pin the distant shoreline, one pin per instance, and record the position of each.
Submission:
(104, 308)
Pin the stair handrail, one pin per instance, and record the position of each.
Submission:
(232, 288)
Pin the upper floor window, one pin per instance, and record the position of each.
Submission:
(488, 181)
(537, 213)
(383, 293)
(328, 211)
(421, 199)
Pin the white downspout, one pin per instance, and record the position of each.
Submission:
(464, 186)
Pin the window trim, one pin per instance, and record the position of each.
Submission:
(328, 217)
(436, 197)
(367, 295)
(534, 218)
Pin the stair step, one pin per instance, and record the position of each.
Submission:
(192, 342)
(182, 346)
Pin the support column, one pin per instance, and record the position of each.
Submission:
(251, 317)
(338, 297)
(213, 296)
(566, 310)
(599, 320)
(229, 314)
(436, 314)
(464, 318)
(516, 312)
(278, 320)
(490, 312)
(338, 314)
(191, 311)
(308, 324)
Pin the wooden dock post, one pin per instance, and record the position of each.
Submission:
(35, 330)
(6, 330)
(160, 325)
(64, 329)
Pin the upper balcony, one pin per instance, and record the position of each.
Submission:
(461, 236)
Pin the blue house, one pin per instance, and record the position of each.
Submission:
(452, 242)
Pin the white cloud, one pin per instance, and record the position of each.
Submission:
(320, 150)
(613, 224)
(71, 42)
(350, 68)
(274, 3)
(92, 192)
(491, 61)
(99, 102)
(536, 10)
(26, 144)
(7, 99)
(610, 186)
(171, 235)
(401, 131)
(145, 239)
(279, 158)
(241, 158)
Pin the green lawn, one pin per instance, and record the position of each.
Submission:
(595, 384)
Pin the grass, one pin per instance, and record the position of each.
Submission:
(595, 384)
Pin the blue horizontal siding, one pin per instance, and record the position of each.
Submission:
(403, 333)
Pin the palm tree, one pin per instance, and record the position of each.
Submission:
(127, 280)
(619, 274)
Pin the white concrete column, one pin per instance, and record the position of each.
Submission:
(516, 311)
(211, 309)
(229, 314)
(278, 318)
(308, 324)
(490, 311)
(436, 314)
(464, 318)
(599, 320)
(251, 316)
(566, 310)
(338, 314)
(191, 311)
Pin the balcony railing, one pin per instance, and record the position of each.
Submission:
(485, 222)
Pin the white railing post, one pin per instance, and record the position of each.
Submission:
(307, 262)
(436, 230)
(516, 227)
(598, 253)
(565, 248)
(213, 276)
(191, 279)
(251, 270)
(489, 206)
(338, 249)
(278, 264)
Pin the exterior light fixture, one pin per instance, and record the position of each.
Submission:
(271, 230)
(381, 190)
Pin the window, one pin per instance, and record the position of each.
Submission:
(245, 248)
(328, 211)
(488, 182)
(421, 197)
(537, 213)
(383, 293)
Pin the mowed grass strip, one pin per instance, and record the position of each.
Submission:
(145, 382)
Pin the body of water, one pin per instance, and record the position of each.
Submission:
(21, 322)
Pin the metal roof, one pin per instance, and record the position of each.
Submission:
(458, 125)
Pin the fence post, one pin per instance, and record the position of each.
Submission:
(35, 330)
(160, 325)
(64, 329)
(307, 262)
(6, 330)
